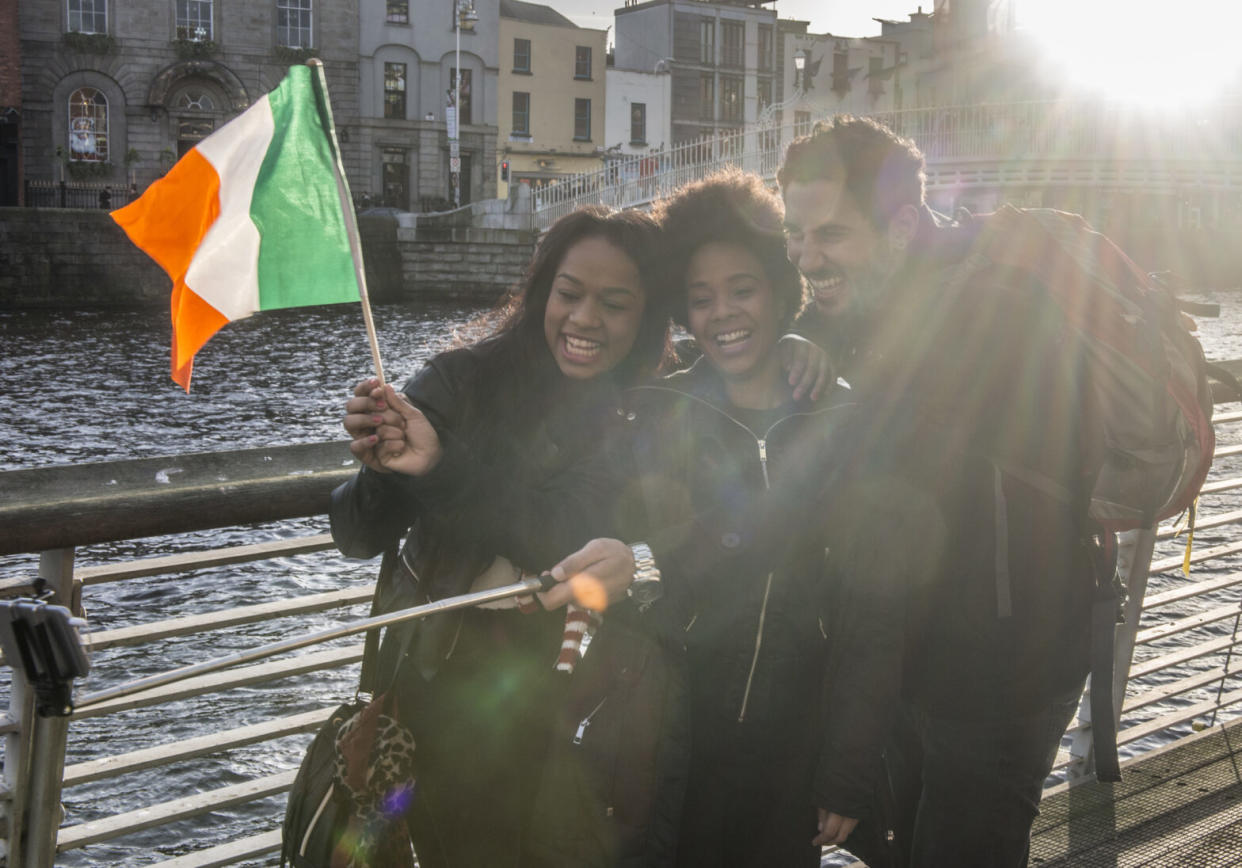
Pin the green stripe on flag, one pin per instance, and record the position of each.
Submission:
(304, 252)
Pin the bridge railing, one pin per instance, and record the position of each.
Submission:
(220, 750)
(1113, 133)
(634, 181)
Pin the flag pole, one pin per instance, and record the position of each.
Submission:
(347, 213)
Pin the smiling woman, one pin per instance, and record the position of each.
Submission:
(1160, 53)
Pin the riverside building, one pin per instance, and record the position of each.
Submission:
(552, 96)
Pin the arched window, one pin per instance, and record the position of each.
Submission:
(196, 99)
(88, 125)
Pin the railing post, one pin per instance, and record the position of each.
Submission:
(35, 754)
(1134, 552)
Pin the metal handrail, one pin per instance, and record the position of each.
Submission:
(1115, 138)
(297, 469)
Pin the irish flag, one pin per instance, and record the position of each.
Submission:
(251, 218)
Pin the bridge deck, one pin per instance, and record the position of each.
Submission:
(1178, 805)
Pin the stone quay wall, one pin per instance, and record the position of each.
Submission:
(81, 258)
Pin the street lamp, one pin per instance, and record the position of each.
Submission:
(769, 111)
(463, 19)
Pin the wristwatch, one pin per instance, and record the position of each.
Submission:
(646, 587)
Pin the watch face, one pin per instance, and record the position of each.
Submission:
(646, 590)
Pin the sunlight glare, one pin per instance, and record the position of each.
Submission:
(1156, 52)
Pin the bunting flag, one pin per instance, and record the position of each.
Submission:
(250, 219)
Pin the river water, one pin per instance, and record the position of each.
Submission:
(93, 385)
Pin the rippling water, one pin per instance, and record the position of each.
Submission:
(94, 385)
(90, 386)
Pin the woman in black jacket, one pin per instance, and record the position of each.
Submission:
(730, 470)
(491, 458)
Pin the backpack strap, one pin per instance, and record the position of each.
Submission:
(1103, 628)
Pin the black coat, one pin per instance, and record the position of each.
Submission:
(971, 400)
(524, 475)
(737, 523)
(532, 492)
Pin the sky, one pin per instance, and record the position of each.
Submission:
(1163, 51)
(843, 17)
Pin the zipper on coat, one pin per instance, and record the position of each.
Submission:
(754, 660)
(586, 721)
(762, 442)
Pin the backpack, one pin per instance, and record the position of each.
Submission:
(1147, 396)
(1147, 379)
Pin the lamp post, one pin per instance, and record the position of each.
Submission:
(769, 111)
(463, 19)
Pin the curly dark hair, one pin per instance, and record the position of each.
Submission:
(883, 171)
(733, 207)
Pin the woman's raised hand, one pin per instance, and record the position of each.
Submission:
(388, 433)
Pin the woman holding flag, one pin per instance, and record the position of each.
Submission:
(493, 458)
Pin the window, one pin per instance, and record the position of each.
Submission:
(707, 96)
(707, 41)
(293, 23)
(638, 123)
(463, 114)
(194, 20)
(195, 99)
(582, 62)
(765, 47)
(521, 113)
(763, 92)
(396, 179)
(875, 71)
(190, 132)
(398, 12)
(521, 55)
(730, 98)
(88, 16)
(88, 125)
(802, 123)
(732, 40)
(394, 90)
(840, 72)
(582, 120)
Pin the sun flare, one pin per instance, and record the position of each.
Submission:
(1166, 53)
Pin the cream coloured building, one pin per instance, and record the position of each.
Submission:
(551, 96)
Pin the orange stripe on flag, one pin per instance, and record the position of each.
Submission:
(194, 322)
(168, 224)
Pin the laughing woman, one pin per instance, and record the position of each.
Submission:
(729, 479)
(491, 459)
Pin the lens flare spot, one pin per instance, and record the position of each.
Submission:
(589, 592)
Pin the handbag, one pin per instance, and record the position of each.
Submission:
(348, 801)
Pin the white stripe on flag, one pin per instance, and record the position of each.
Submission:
(225, 269)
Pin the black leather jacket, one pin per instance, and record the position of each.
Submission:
(532, 495)
(740, 524)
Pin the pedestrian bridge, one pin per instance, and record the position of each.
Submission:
(1008, 149)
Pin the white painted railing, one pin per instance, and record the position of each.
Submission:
(1184, 675)
(1033, 143)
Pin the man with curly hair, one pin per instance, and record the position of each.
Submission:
(969, 398)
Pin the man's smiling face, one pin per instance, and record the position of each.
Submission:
(844, 256)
